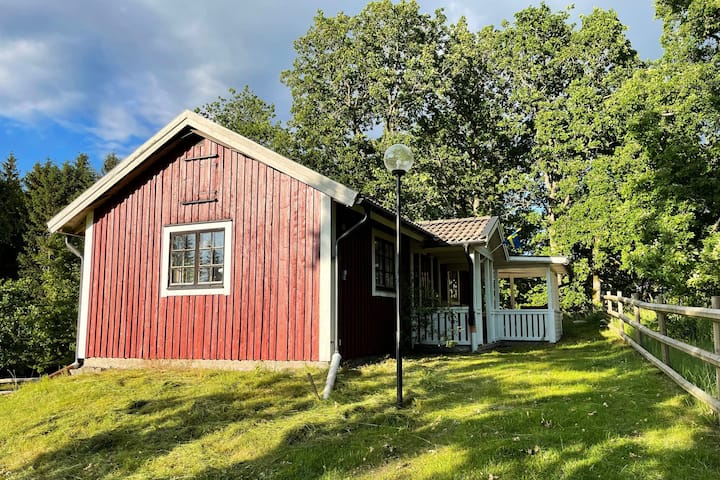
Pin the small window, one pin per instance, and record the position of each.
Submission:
(196, 259)
(383, 265)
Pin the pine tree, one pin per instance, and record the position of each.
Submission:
(110, 162)
(13, 218)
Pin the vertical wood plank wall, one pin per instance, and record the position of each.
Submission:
(272, 311)
(367, 322)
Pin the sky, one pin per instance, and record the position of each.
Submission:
(94, 77)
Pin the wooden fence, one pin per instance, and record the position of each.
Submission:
(663, 363)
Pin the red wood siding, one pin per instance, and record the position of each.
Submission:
(367, 322)
(272, 311)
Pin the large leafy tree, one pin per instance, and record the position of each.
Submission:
(672, 110)
(250, 116)
(556, 78)
(362, 83)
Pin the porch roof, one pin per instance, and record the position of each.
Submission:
(526, 266)
(462, 231)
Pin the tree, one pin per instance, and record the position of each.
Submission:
(392, 74)
(39, 311)
(556, 80)
(247, 114)
(13, 218)
(110, 162)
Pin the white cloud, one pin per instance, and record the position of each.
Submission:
(119, 70)
(28, 72)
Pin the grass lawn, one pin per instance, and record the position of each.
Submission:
(588, 407)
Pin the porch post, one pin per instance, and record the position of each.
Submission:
(551, 332)
(489, 299)
(477, 301)
(513, 302)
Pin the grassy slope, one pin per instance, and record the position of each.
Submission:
(586, 408)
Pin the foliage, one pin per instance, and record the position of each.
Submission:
(394, 75)
(663, 177)
(34, 332)
(13, 218)
(558, 77)
(585, 408)
(110, 162)
(38, 312)
(245, 113)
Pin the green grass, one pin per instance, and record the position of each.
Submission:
(693, 369)
(588, 407)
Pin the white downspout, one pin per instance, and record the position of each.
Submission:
(336, 357)
(78, 362)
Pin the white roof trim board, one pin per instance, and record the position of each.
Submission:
(79, 207)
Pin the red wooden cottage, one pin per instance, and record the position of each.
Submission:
(205, 248)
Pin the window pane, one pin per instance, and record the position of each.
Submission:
(189, 241)
(203, 275)
(189, 259)
(219, 239)
(175, 276)
(188, 275)
(217, 274)
(205, 256)
(218, 256)
(205, 240)
(178, 242)
(176, 259)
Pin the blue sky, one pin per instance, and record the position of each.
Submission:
(101, 76)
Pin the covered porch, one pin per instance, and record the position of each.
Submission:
(466, 292)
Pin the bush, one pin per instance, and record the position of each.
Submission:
(37, 330)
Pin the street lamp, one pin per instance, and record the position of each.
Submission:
(398, 160)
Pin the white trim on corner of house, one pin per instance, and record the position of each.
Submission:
(165, 261)
(85, 286)
(327, 289)
(391, 239)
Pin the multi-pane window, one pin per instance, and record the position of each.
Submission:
(197, 259)
(384, 264)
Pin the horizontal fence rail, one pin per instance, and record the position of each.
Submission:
(447, 326)
(666, 342)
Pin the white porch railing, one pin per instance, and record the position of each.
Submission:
(528, 325)
(450, 325)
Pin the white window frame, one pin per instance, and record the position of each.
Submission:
(379, 292)
(220, 289)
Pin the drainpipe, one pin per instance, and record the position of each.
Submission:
(78, 361)
(471, 301)
(336, 357)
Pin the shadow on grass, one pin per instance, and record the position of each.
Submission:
(585, 408)
(152, 428)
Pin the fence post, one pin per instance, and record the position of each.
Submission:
(609, 303)
(664, 349)
(636, 311)
(621, 310)
(715, 303)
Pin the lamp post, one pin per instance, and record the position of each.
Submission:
(398, 160)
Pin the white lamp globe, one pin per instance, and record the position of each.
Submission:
(398, 159)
